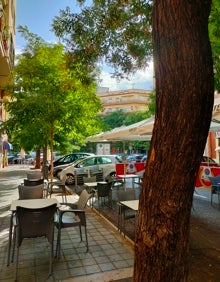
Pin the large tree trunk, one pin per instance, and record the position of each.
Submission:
(184, 100)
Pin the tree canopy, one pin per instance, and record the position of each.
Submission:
(52, 96)
(117, 33)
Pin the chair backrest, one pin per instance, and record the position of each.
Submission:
(35, 222)
(34, 175)
(126, 195)
(83, 199)
(89, 179)
(104, 189)
(79, 174)
(30, 192)
(33, 182)
(215, 180)
(97, 172)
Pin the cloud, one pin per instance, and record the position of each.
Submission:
(142, 79)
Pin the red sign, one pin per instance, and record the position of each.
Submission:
(202, 179)
(130, 168)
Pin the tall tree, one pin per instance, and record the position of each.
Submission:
(51, 95)
(184, 100)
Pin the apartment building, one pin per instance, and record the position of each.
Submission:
(216, 107)
(7, 54)
(129, 101)
(7, 48)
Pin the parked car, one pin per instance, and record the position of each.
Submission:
(144, 159)
(134, 158)
(206, 161)
(105, 162)
(70, 158)
(57, 169)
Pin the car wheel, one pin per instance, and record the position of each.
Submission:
(70, 180)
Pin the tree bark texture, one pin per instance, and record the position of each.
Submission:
(184, 101)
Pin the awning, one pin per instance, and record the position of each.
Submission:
(141, 131)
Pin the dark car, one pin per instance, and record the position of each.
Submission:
(70, 158)
(134, 158)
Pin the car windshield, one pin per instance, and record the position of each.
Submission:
(119, 159)
(208, 160)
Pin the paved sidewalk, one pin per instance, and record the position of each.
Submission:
(110, 256)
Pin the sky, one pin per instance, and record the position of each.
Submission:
(37, 15)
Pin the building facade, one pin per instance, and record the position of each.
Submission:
(7, 54)
(7, 48)
(128, 101)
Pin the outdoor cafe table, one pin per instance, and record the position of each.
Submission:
(31, 204)
(131, 204)
(127, 176)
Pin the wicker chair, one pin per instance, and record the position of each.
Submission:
(34, 223)
(215, 188)
(34, 175)
(25, 192)
(58, 187)
(30, 192)
(103, 192)
(28, 182)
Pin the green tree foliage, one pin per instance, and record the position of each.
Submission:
(115, 32)
(119, 33)
(52, 96)
(214, 31)
(113, 120)
(131, 118)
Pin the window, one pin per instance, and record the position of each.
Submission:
(88, 162)
(105, 160)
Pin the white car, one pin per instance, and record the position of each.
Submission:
(107, 163)
(57, 169)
